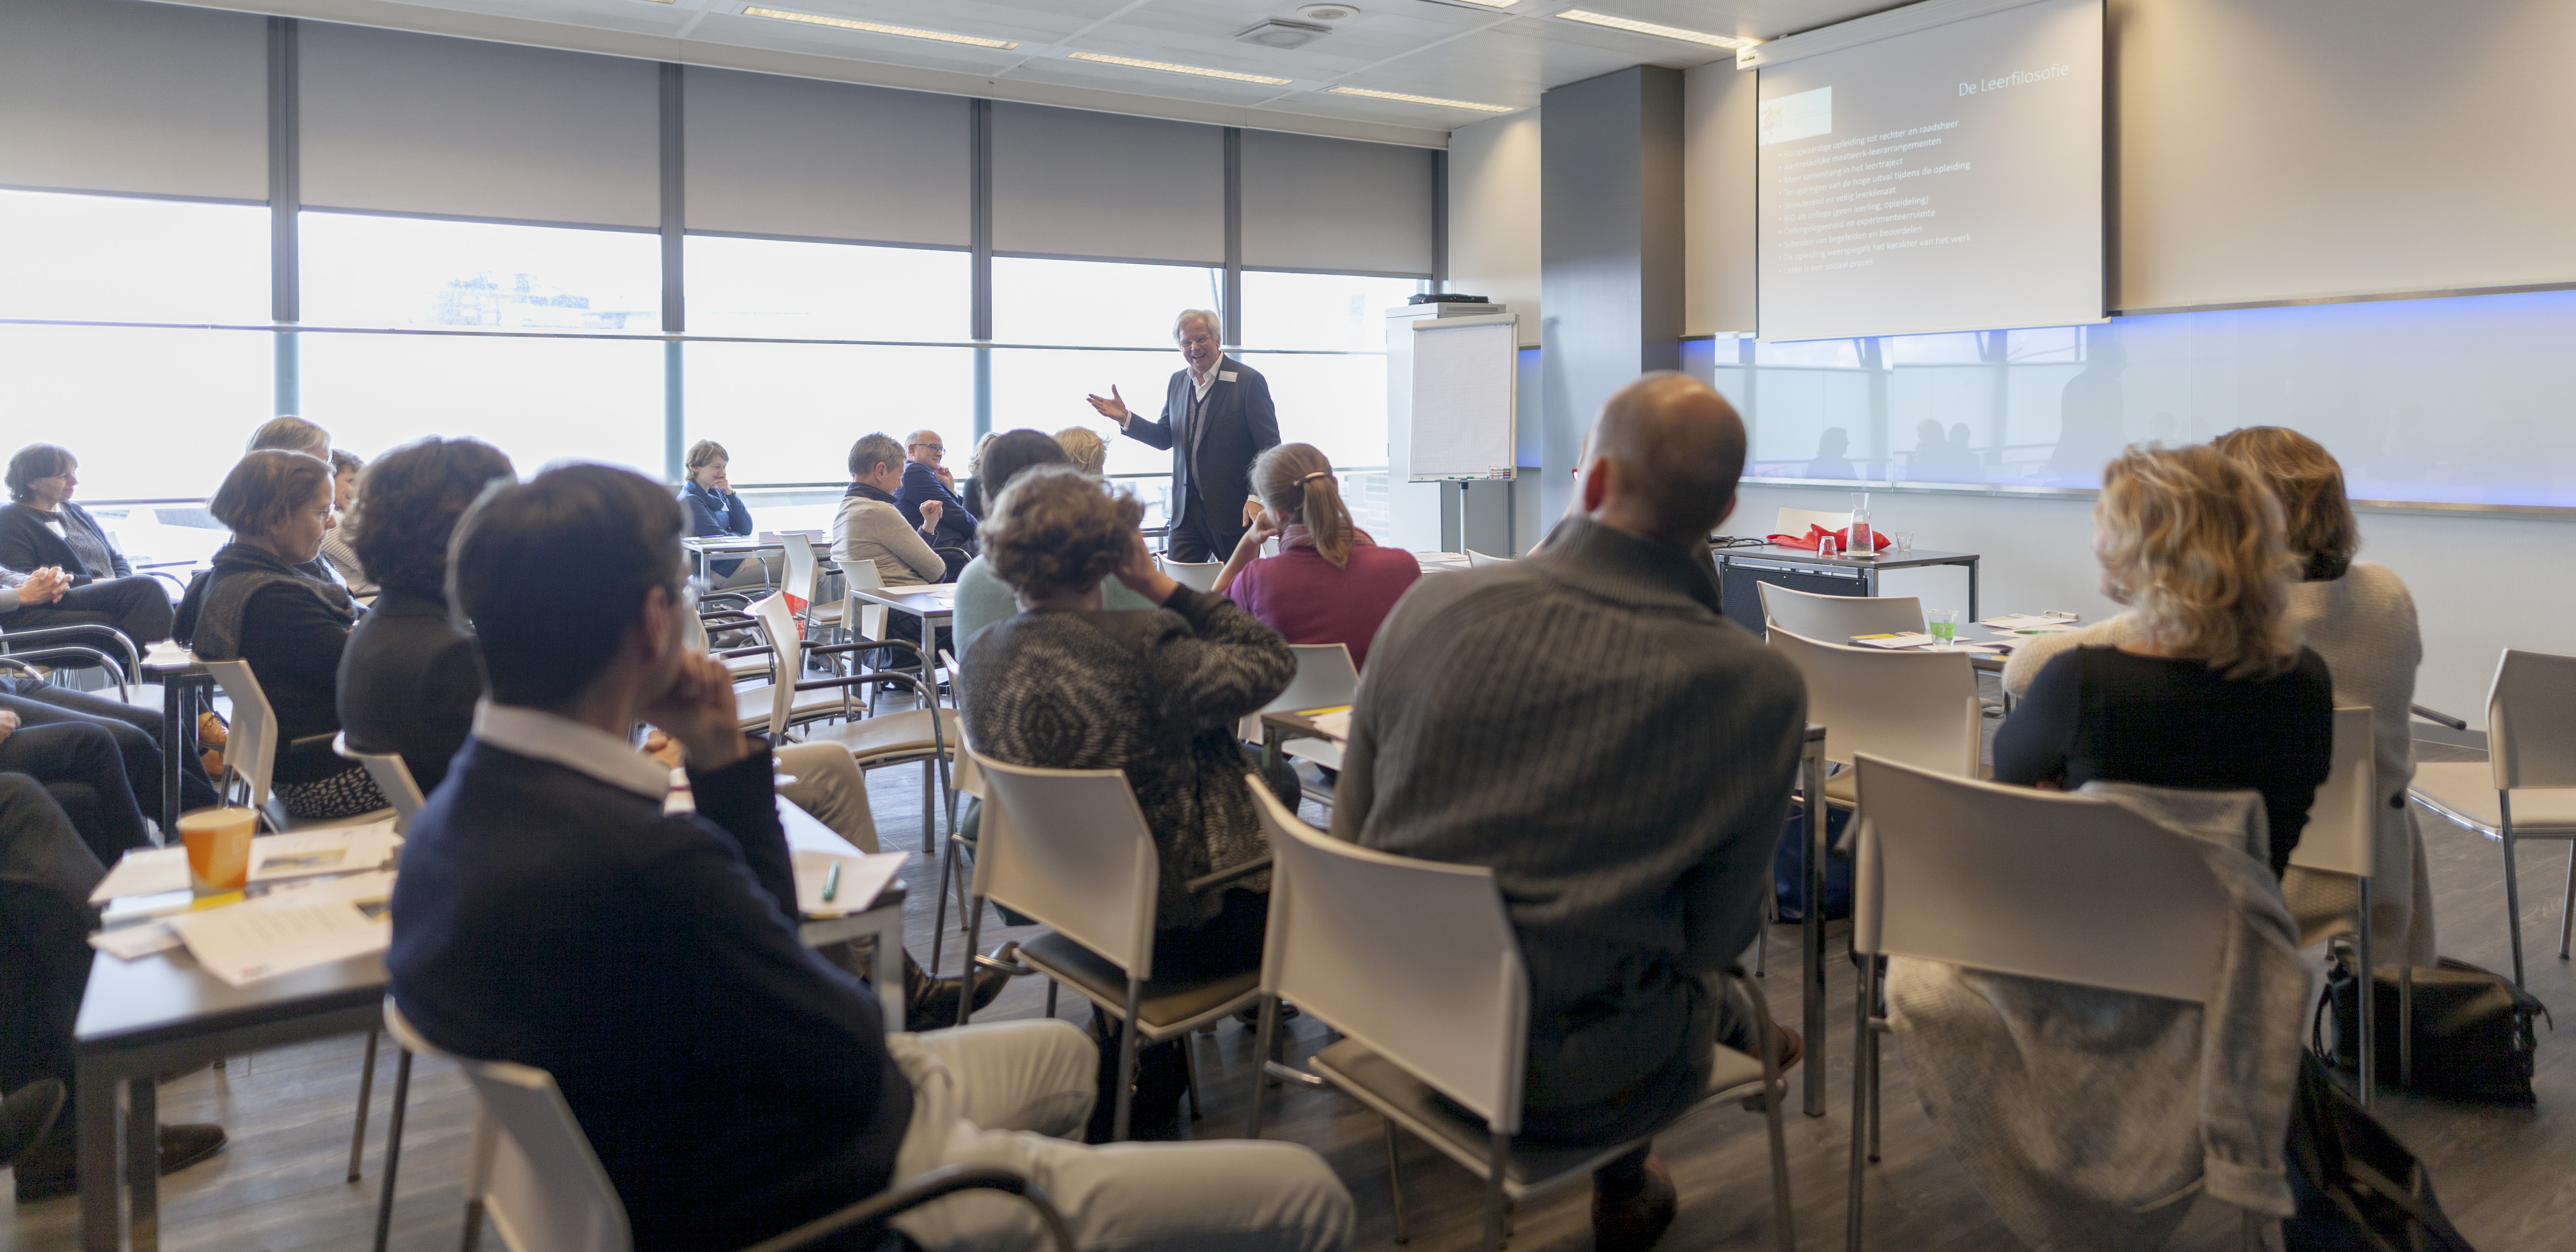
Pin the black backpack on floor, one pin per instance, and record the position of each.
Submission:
(2473, 1036)
(2358, 1189)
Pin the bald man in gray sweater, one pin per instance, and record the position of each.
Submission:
(1587, 723)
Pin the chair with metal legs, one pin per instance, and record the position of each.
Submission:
(2039, 884)
(2340, 838)
(1417, 965)
(2526, 788)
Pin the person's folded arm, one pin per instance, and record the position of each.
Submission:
(741, 799)
(1226, 666)
(889, 528)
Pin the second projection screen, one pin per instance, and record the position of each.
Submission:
(1943, 179)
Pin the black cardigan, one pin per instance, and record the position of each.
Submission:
(27, 544)
(408, 683)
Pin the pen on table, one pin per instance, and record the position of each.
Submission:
(832, 883)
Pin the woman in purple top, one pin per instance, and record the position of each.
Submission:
(1330, 583)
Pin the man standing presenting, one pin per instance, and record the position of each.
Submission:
(1626, 781)
(1216, 417)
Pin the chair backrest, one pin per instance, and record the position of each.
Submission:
(1070, 848)
(1835, 619)
(799, 577)
(1920, 708)
(864, 620)
(2042, 884)
(1796, 521)
(2343, 822)
(1479, 560)
(1195, 575)
(542, 1186)
(250, 744)
(2531, 721)
(787, 658)
(1415, 959)
(391, 775)
(1325, 678)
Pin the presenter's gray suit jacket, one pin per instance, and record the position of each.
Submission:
(1214, 457)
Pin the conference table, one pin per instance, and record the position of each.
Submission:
(934, 603)
(163, 1013)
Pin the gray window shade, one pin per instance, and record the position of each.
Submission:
(105, 95)
(1335, 204)
(457, 127)
(789, 156)
(1072, 183)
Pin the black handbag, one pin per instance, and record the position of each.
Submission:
(2357, 1188)
(2473, 1037)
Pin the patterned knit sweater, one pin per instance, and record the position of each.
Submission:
(1154, 692)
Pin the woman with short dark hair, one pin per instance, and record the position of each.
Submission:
(259, 604)
(57, 566)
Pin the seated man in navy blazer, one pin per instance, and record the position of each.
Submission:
(733, 1084)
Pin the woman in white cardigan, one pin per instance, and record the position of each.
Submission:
(2357, 616)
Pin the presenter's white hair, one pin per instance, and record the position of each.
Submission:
(1214, 324)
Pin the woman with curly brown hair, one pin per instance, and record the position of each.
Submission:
(2210, 688)
(1067, 684)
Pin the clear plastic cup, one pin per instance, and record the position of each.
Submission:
(1904, 543)
(1945, 627)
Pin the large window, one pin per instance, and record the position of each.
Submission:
(1097, 303)
(114, 259)
(423, 273)
(538, 399)
(788, 412)
(152, 413)
(1333, 312)
(785, 289)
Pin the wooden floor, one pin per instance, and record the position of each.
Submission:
(2502, 1173)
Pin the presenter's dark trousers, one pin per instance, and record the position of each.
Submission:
(1198, 535)
(136, 605)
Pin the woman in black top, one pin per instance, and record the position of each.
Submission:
(260, 605)
(41, 528)
(2218, 695)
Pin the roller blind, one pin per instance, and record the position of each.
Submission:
(107, 95)
(1071, 183)
(789, 156)
(1335, 204)
(421, 124)
(2278, 151)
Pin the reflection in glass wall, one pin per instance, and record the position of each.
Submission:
(423, 273)
(2438, 400)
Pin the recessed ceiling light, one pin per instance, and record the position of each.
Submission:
(1169, 68)
(1495, 4)
(1442, 101)
(879, 28)
(1649, 28)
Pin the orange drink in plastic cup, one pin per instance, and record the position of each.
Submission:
(218, 842)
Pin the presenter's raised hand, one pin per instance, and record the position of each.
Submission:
(1114, 408)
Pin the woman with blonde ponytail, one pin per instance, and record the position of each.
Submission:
(2209, 687)
(1330, 583)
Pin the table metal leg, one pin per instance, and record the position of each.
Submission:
(885, 964)
(95, 1095)
(174, 736)
(143, 1161)
(1811, 927)
(1973, 614)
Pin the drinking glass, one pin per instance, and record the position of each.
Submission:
(1945, 627)
(1905, 543)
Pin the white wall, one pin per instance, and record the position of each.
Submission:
(1718, 107)
(1493, 214)
(2482, 582)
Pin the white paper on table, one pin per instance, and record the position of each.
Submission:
(303, 854)
(2030, 621)
(1909, 639)
(125, 943)
(864, 877)
(144, 872)
(285, 931)
(1335, 725)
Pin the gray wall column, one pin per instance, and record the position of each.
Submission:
(1610, 253)
(675, 309)
(285, 202)
(980, 273)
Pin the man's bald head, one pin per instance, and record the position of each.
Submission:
(1675, 449)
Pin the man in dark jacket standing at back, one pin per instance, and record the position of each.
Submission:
(1587, 723)
(1217, 417)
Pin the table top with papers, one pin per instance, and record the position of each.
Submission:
(1994, 638)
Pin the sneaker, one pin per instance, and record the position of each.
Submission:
(1636, 1222)
(52, 1169)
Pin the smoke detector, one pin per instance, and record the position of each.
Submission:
(1282, 33)
(1328, 13)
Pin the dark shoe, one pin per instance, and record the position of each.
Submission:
(26, 1115)
(1792, 1048)
(1634, 1223)
(52, 1169)
(1251, 1015)
(933, 1003)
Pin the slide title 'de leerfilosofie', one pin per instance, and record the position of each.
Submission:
(2018, 78)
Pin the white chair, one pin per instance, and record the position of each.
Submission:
(1417, 965)
(1836, 619)
(1070, 848)
(1796, 521)
(1195, 575)
(2015, 880)
(1325, 679)
(2339, 839)
(2526, 788)
(788, 698)
(803, 578)
(392, 776)
(1479, 560)
(534, 1173)
(250, 749)
(1920, 708)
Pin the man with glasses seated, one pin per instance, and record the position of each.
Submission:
(924, 478)
(733, 1083)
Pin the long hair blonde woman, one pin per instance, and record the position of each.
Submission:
(2209, 687)
(1331, 582)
